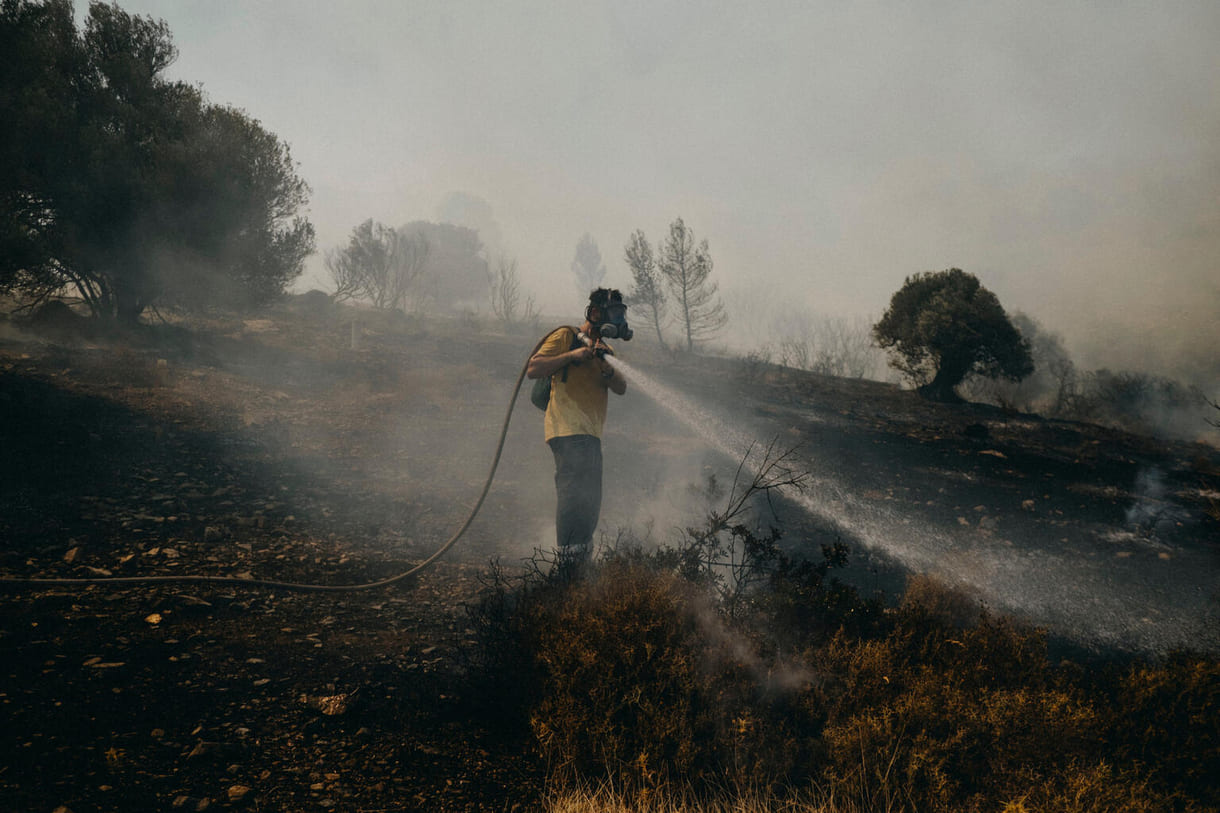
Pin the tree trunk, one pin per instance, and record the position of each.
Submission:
(656, 323)
(943, 386)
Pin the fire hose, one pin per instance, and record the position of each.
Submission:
(302, 587)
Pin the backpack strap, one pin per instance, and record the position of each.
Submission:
(576, 342)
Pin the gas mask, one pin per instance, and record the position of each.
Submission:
(613, 313)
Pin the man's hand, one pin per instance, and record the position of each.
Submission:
(611, 378)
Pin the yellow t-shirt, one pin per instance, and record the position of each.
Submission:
(578, 405)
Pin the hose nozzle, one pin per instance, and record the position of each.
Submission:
(599, 350)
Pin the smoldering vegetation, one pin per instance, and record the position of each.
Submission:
(715, 653)
(650, 686)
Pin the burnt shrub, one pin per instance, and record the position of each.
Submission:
(633, 685)
(1167, 722)
(641, 674)
(946, 736)
(941, 712)
(657, 672)
(1137, 402)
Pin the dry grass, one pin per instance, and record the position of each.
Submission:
(677, 799)
(649, 696)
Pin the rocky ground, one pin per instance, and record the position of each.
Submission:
(298, 447)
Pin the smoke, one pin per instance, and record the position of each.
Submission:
(784, 674)
(827, 151)
(473, 212)
(1153, 510)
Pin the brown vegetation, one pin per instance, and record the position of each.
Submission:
(642, 685)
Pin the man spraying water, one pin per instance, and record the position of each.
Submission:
(575, 361)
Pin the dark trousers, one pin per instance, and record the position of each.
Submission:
(578, 488)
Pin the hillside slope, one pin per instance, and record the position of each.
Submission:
(283, 448)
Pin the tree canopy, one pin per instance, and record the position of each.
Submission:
(129, 189)
(587, 266)
(456, 272)
(945, 325)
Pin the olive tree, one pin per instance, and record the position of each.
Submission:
(942, 326)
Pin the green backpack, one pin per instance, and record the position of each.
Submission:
(540, 395)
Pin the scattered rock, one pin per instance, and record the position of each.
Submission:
(330, 705)
(238, 792)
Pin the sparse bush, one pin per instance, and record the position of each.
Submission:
(754, 365)
(506, 295)
(828, 346)
(1137, 402)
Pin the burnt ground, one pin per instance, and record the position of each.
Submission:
(273, 448)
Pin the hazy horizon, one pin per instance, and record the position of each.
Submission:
(1065, 154)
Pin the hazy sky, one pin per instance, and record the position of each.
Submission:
(1066, 153)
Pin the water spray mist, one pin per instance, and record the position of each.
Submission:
(1068, 593)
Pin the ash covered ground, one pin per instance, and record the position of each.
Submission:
(274, 448)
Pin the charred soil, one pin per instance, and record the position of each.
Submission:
(296, 447)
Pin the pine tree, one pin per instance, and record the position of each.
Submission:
(686, 268)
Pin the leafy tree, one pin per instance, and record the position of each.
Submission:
(587, 265)
(647, 292)
(945, 325)
(455, 273)
(127, 188)
(39, 61)
(378, 264)
(686, 267)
